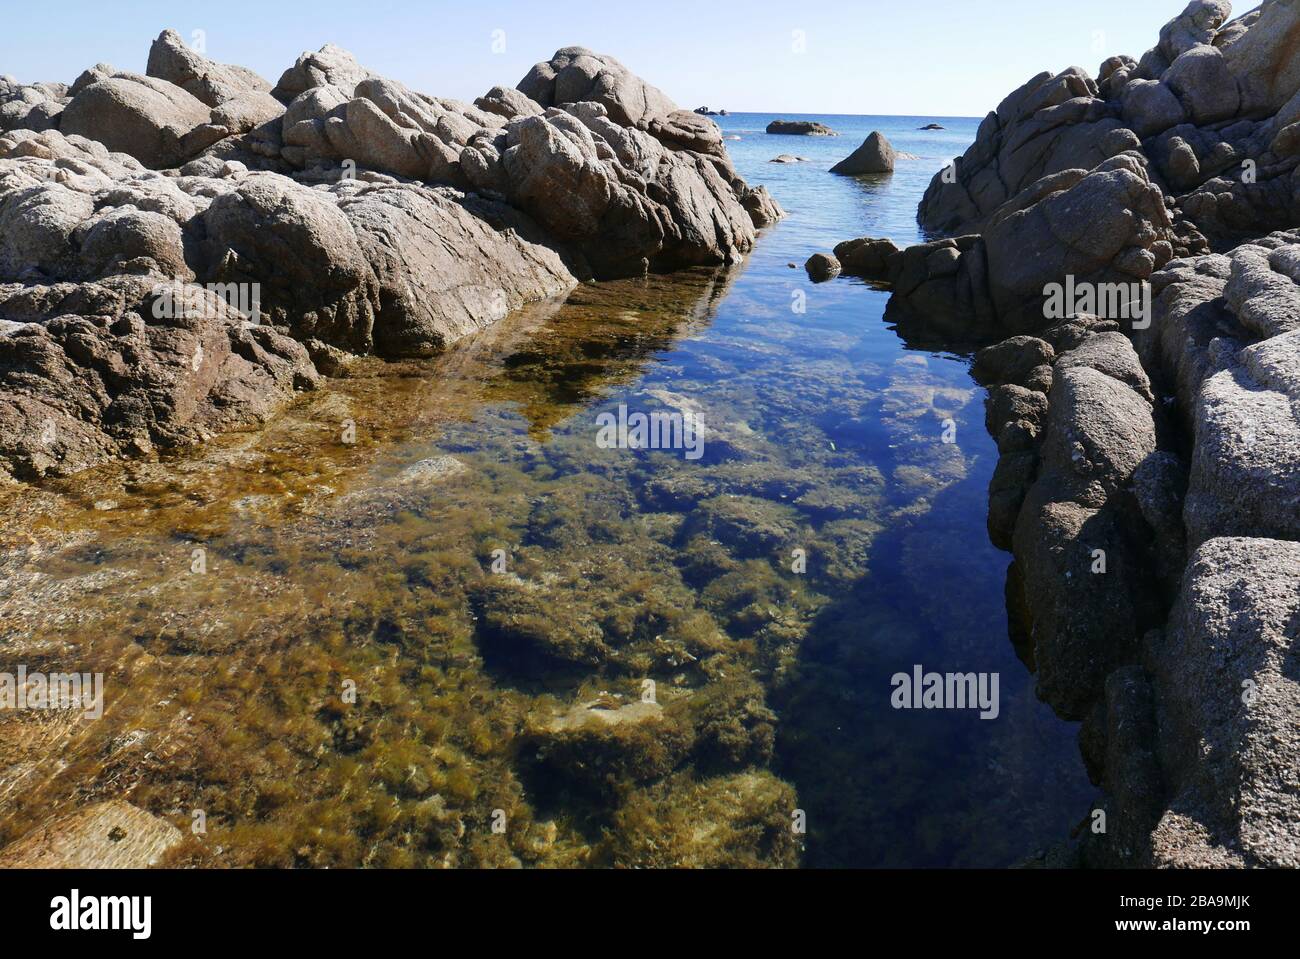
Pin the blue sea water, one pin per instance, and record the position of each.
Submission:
(826, 209)
(889, 787)
(827, 434)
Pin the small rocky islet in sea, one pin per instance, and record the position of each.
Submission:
(802, 128)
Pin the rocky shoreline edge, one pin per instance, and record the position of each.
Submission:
(180, 251)
(1126, 245)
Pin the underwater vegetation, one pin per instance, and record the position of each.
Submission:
(423, 620)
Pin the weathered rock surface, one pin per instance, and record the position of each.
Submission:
(577, 75)
(1127, 441)
(171, 59)
(89, 371)
(1107, 229)
(1211, 107)
(822, 267)
(622, 175)
(1060, 500)
(31, 106)
(339, 209)
(1230, 743)
(159, 124)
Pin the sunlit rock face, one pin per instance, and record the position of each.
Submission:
(337, 208)
(1148, 465)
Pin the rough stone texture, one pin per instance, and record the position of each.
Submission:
(568, 172)
(577, 75)
(1011, 361)
(1051, 124)
(303, 250)
(157, 123)
(1233, 766)
(1106, 229)
(622, 175)
(822, 267)
(90, 372)
(1245, 478)
(1209, 106)
(34, 106)
(866, 257)
(330, 66)
(1194, 447)
(1097, 432)
(171, 59)
(508, 103)
(430, 295)
(1103, 228)
(356, 214)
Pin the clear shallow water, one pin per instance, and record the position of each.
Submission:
(371, 563)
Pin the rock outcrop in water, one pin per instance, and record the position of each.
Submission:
(876, 155)
(1149, 434)
(802, 128)
(335, 210)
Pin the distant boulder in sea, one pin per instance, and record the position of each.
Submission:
(803, 128)
(932, 126)
(876, 155)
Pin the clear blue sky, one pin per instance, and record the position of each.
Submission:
(917, 57)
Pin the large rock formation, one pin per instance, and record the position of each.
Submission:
(1212, 106)
(174, 247)
(1126, 234)
(601, 159)
(1230, 744)
(1107, 228)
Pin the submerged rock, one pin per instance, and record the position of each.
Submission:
(742, 821)
(605, 746)
(105, 835)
